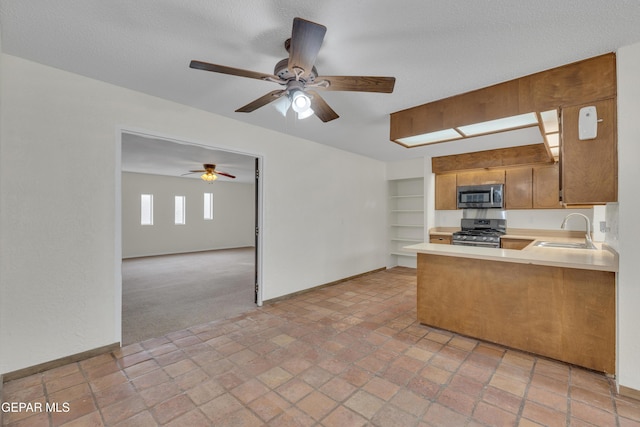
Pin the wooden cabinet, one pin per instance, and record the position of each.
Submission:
(445, 197)
(525, 187)
(546, 187)
(509, 243)
(444, 240)
(479, 177)
(563, 313)
(518, 188)
(590, 167)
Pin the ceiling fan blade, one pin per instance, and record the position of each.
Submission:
(358, 83)
(321, 108)
(224, 174)
(199, 65)
(262, 101)
(306, 39)
(191, 173)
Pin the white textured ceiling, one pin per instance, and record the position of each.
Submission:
(435, 49)
(144, 154)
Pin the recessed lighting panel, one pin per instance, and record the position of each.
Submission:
(550, 121)
(553, 139)
(492, 126)
(430, 138)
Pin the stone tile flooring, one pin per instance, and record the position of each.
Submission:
(346, 355)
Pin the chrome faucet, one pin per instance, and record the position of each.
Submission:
(588, 243)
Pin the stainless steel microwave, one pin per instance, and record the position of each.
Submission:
(480, 196)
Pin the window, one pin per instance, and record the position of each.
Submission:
(146, 209)
(180, 210)
(208, 205)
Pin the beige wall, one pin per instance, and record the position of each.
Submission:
(233, 224)
(60, 286)
(628, 67)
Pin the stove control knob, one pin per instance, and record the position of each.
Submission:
(484, 238)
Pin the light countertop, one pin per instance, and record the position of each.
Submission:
(603, 259)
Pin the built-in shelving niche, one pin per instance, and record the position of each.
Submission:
(406, 219)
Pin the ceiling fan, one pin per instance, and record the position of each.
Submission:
(299, 76)
(209, 173)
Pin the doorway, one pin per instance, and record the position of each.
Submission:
(180, 274)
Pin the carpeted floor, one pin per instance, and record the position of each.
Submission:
(162, 294)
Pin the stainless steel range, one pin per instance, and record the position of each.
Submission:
(480, 232)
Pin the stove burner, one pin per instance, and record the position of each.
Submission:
(480, 232)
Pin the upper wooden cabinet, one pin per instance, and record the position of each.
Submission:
(546, 187)
(571, 84)
(536, 187)
(590, 167)
(446, 191)
(479, 177)
(518, 188)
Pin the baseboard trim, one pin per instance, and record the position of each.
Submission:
(160, 254)
(36, 369)
(629, 392)
(335, 282)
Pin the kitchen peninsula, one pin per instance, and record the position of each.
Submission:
(555, 302)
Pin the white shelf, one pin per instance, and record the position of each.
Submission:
(405, 219)
(406, 239)
(407, 254)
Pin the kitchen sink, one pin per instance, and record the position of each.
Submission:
(565, 245)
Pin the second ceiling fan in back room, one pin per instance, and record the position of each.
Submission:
(209, 173)
(299, 76)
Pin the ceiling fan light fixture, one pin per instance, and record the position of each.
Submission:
(300, 101)
(209, 177)
(282, 105)
(305, 114)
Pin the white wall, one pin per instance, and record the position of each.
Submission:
(628, 66)
(403, 169)
(232, 226)
(59, 170)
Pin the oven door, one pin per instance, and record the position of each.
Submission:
(475, 243)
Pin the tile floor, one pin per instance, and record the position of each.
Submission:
(346, 355)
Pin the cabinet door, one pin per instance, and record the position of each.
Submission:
(546, 187)
(590, 167)
(479, 177)
(518, 188)
(443, 240)
(519, 244)
(446, 191)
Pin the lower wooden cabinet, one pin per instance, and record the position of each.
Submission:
(563, 313)
(445, 240)
(508, 243)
